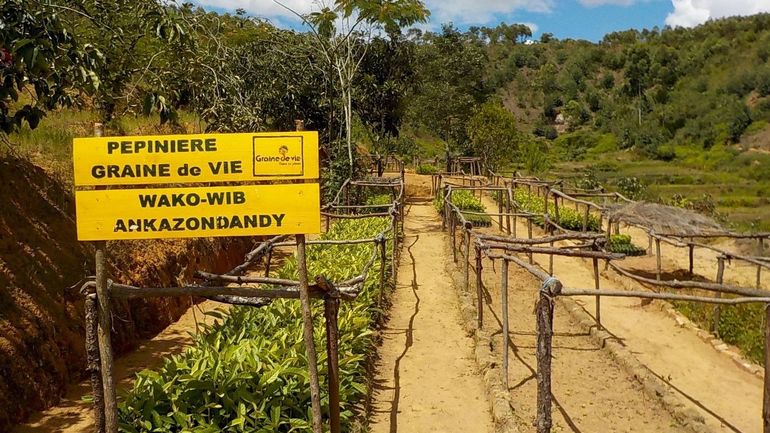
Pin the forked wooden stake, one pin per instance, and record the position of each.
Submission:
(94, 367)
(766, 396)
(544, 310)
(307, 334)
(479, 289)
(105, 327)
(331, 309)
(504, 296)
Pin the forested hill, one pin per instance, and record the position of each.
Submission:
(650, 89)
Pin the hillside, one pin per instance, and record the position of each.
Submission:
(644, 104)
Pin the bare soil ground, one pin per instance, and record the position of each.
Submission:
(597, 396)
(41, 319)
(704, 260)
(73, 415)
(426, 378)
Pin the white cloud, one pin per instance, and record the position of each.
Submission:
(592, 3)
(532, 26)
(459, 12)
(689, 13)
(482, 11)
(263, 8)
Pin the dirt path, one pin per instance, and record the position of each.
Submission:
(729, 397)
(591, 392)
(705, 260)
(426, 379)
(73, 415)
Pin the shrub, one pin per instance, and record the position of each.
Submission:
(535, 156)
(665, 153)
(427, 169)
(569, 218)
(381, 200)
(631, 187)
(621, 244)
(248, 372)
(466, 201)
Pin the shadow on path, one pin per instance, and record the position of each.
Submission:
(407, 345)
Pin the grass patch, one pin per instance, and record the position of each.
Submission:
(740, 325)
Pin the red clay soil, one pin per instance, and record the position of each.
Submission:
(41, 320)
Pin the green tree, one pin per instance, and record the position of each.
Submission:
(141, 42)
(451, 82)
(385, 78)
(493, 134)
(342, 32)
(40, 57)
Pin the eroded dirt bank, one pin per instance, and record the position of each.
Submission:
(41, 320)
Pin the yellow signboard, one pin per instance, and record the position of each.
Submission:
(154, 213)
(197, 158)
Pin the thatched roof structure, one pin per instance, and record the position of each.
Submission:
(666, 219)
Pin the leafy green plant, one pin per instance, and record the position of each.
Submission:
(568, 218)
(631, 187)
(248, 372)
(622, 244)
(381, 200)
(466, 201)
(427, 169)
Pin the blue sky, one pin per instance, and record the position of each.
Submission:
(579, 19)
(570, 19)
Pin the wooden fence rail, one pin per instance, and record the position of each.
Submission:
(496, 247)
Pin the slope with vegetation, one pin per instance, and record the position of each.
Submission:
(684, 111)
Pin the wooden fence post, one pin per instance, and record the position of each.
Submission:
(544, 310)
(452, 228)
(598, 298)
(529, 235)
(104, 328)
(649, 243)
(585, 219)
(394, 253)
(691, 255)
(766, 396)
(466, 257)
(479, 289)
(658, 259)
(550, 262)
(105, 340)
(500, 209)
(508, 210)
(504, 294)
(307, 334)
(556, 206)
(94, 368)
(331, 308)
(444, 221)
(268, 258)
(383, 259)
(720, 280)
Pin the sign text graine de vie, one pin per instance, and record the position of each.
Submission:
(198, 158)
